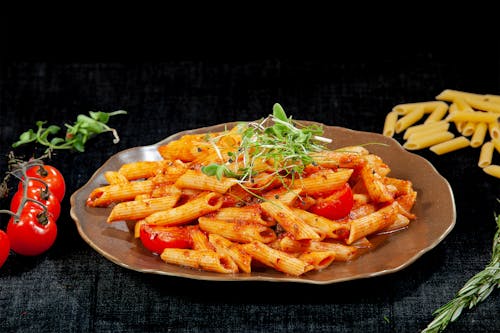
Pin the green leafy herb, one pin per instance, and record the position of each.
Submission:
(77, 134)
(476, 290)
(285, 143)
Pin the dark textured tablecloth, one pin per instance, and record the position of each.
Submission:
(72, 288)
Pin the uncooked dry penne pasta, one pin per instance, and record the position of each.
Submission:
(450, 145)
(492, 170)
(479, 135)
(409, 119)
(426, 127)
(486, 154)
(429, 140)
(390, 123)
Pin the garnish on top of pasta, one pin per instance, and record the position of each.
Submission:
(266, 193)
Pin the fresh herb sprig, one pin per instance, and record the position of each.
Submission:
(286, 143)
(474, 291)
(77, 134)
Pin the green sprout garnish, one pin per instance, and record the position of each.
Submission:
(77, 134)
(276, 139)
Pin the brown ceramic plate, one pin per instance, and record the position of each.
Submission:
(435, 210)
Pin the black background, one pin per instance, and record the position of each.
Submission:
(175, 69)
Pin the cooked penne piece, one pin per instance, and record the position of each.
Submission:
(450, 145)
(252, 213)
(242, 232)
(371, 223)
(187, 212)
(278, 260)
(233, 250)
(322, 226)
(142, 169)
(201, 259)
(113, 177)
(342, 252)
(338, 159)
(106, 195)
(323, 181)
(198, 180)
(400, 222)
(285, 216)
(200, 240)
(318, 259)
(139, 209)
(374, 185)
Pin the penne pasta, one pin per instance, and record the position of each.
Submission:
(278, 260)
(409, 119)
(450, 145)
(486, 154)
(429, 140)
(492, 170)
(390, 124)
(479, 135)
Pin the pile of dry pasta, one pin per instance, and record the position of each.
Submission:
(235, 227)
(475, 116)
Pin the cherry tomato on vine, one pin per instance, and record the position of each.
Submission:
(336, 205)
(52, 176)
(37, 191)
(4, 247)
(157, 238)
(33, 233)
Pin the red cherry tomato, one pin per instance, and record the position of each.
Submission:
(157, 238)
(4, 247)
(37, 191)
(336, 205)
(52, 176)
(34, 232)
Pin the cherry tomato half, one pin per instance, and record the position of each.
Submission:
(336, 205)
(4, 247)
(34, 232)
(37, 191)
(157, 238)
(52, 176)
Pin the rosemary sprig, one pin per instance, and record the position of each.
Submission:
(476, 290)
(286, 143)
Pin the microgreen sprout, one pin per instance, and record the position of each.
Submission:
(277, 139)
(77, 134)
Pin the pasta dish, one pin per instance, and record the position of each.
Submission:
(261, 194)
